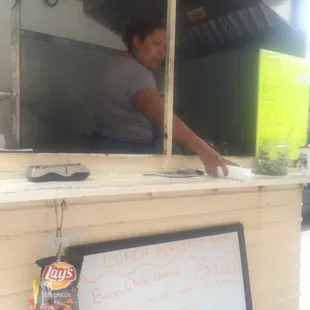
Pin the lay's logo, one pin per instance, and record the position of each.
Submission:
(58, 275)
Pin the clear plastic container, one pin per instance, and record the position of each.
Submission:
(2, 141)
(273, 158)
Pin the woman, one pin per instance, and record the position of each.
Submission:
(131, 105)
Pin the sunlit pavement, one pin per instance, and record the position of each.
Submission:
(305, 271)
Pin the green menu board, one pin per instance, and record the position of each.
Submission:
(283, 101)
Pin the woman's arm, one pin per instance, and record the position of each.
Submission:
(150, 105)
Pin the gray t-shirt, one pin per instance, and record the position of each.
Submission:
(116, 115)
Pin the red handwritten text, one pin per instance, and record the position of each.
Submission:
(182, 247)
(159, 276)
(189, 307)
(143, 304)
(128, 257)
(133, 283)
(98, 298)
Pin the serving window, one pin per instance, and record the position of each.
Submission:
(61, 83)
(211, 79)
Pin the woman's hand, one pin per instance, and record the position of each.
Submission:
(212, 160)
(230, 163)
(148, 102)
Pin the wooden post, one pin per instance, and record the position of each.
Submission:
(15, 44)
(169, 78)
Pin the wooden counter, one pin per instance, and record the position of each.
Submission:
(15, 188)
(109, 207)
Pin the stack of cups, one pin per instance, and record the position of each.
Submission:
(305, 160)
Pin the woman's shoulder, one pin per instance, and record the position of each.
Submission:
(127, 65)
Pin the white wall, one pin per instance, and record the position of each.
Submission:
(271, 217)
(302, 19)
(282, 7)
(67, 20)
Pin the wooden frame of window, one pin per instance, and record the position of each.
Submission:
(169, 78)
(169, 75)
(103, 163)
(16, 78)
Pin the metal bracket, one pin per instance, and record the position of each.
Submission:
(5, 95)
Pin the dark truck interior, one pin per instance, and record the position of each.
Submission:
(216, 72)
(232, 30)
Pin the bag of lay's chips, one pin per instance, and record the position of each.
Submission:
(31, 303)
(58, 289)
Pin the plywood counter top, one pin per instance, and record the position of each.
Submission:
(14, 187)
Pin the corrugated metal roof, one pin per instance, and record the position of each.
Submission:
(226, 23)
(226, 31)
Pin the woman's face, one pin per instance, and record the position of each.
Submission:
(151, 51)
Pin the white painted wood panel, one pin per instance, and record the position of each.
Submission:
(67, 20)
(305, 272)
(271, 217)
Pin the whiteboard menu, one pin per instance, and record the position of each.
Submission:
(207, 271)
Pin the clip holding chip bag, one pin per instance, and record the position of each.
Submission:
(58, 284)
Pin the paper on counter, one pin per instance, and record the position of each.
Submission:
(236, 173)
(16, 150)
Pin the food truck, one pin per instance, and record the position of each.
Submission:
(150, 231)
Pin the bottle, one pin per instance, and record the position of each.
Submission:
(273, 158)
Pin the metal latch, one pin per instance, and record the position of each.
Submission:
(5, 95)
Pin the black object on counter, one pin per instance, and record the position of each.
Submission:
(57, 173)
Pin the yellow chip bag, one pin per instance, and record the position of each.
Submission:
(36, 287)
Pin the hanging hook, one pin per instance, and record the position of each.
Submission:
(59, 222)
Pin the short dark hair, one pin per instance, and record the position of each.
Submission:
(141, 29)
